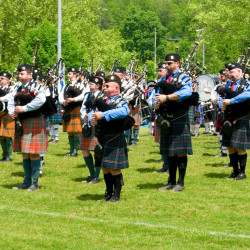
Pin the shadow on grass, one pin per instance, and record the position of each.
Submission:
(145, 170)
(21, 174)
(79, 179)
(92, 197)
(207, 154)
(215, 165)
(151, 185)
(18, 163)
(216, 175)
(80, 166)
(150, 160)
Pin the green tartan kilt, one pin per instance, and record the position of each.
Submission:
(56, 118)
(115, 153)
(240, 137)
(179, 139)
(33, 139)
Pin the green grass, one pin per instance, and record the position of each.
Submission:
(212, 211)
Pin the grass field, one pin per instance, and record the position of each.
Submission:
(212, 212)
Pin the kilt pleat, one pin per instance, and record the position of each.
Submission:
(56, 118)
(33, 139)
(240, 137)
(7, 125)
(115, 153)
(179, 139)
(88, 142)
(74, 124)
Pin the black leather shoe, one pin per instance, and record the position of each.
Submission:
(162, 170)
(114, 198)
(67, 155)
(33, 187)
(169, 186)
(22, 186)
(88, 179)
(74, 155)
(240, 176)
(3, 159)
(233, 175)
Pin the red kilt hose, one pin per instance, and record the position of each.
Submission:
(74, 124)
(88, 142)
(33, 139)
(7, 125)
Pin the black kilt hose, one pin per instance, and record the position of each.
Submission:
(115, 153)
(240, 137)
(179, 139)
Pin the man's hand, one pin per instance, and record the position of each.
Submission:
(85, 119)
(19, 109)
(225, 102)
(161, 98)
(14, 115)
(95, 117)
(70, 100)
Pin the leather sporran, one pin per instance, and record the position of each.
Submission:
(86, 130)
(18, 128)
(227, 128)
(66, 116)
(164, 125)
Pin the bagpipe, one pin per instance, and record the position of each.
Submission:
(3, 105)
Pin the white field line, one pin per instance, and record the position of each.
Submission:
(228, 235)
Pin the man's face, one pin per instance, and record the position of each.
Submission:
(222, 78)
(111, 89)
(227, 73)
(24, 77)
(93, 87)
(235, 74)
(162, 72)
(172, 66)
(4, 81)
(120, 75)
(71, 76)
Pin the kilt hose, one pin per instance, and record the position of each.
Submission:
(33, 139)
(56, 118)
(179, 139)
(240, 137)
(115, 153)
(74, 124)
(7, 125)
(88, 142)
(157, 132)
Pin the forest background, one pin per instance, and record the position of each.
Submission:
(109, 29)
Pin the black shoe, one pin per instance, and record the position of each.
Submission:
(94, 181)
(67, 155)
(107, 197)
(74, 155)
(206, 133)
(240, 176)
(114, 198)
(3, 159)
(232, 175)
(6, 159)
(192, 134)
(214, 134)
(88, 179)
(221, 155)
(197, 135)
(22, 186)
(162, 170)
(169, 186)
(51, 140)
(33, 187)
(229, 165)
(178, 188)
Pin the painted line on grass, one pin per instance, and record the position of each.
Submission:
(229, 235)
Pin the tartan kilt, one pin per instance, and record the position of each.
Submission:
(179, 139)
(157, 132)
(74, 124)
(33, 139)
(56, 118)
(136, 115)
(7, 125)
(240, 137)
(88, 142)
(191, 114)
(115, 153)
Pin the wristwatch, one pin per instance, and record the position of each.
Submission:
(167, 98)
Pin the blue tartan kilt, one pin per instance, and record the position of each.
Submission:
(191, 114)
(240, 137)
(56, 118)
(179, 139)
(115, 153)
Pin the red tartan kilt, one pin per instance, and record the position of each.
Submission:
(74, 124)
(7, 126)
(88, 142)
(156, 132)
(33, 140)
